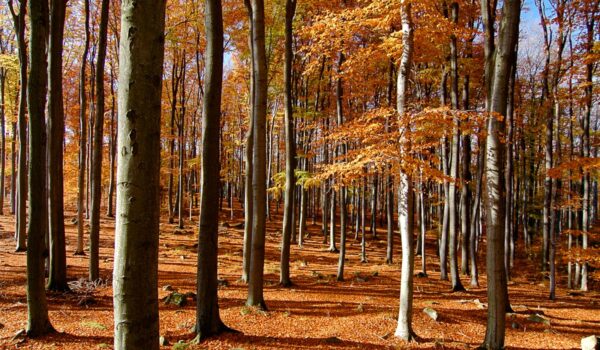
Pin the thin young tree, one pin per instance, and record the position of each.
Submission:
(38, 323)
(21, 207)
(97, 145)
(290, 147)
(135, 276)
(453, 196)
(82, 133)
(405, 196)
(57, 276)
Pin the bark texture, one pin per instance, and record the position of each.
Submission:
(135, 276)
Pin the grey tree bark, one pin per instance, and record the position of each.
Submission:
(259, 191)
(97, 143)
(38, 323)
(57, 275)
(590, 19)
(21, 207)
(495, 211)
(208, 320)
(405, 196)
(135, 275)
(248, 156)
(290, 147)
(82, 134)
(452, 193)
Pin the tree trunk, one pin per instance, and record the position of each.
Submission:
(96, 164)
(82, 135)
(405, 196)
(259, 181)
(290, 147)
(21, 207)
(2, 140)
(453, 197)
(208, 321)
(135, 276)
(112, 150)
(38, 322)
(343, 191)
(505, 58)
(57, 276)
(248, 156)
(590, 18)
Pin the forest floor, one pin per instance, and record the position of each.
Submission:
(317, 312)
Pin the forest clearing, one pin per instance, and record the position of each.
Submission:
(316, 312)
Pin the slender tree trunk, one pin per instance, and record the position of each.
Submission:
(181, 142)
(589, 74)
(57, 276)
(38, 322)
(82, 135)
(208, 320)
(466, 193)
(453, 197)
(248, 157)
(259, 181)
(112, 150)
(405, 196)
(135, 276)
(508, 215)
(343, 191)
(96, 164)
(343, 216)
(290, 147)
(13, 170)
(363, 217)
(21, 207)
(2, 140)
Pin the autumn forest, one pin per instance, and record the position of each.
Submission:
(270, 174)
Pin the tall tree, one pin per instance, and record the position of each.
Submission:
(590, 10)
(97, 145)
(57, 277)
(135, 276)
(38, 322)
(259, 181)
(208, 320)
(405, 196)
(290, 146)
(19, 24)
(453, 196)
(504, 59)
(82, 133)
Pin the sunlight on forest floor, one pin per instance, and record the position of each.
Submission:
(317, 312)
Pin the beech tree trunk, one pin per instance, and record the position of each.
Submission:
(453, 196)
(259, 181)
(405, 196)
(97, 143)
(290, 147)
(82, 135)
(57, 276)
(135, 275)
(208, 320)
(38, 323)
(248, 157)
(495, 211)
(21, 205)
(112, 151)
